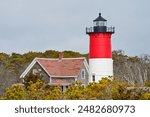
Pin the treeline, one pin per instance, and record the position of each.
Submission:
(134, 70)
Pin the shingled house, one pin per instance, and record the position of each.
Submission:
(60, 71)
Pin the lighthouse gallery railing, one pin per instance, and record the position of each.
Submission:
(108, 29)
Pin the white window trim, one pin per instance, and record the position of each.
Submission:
(23, 80)
(82, 76)
(50, 79)
(76, 78)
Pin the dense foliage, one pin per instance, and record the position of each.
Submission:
(104, 89)
(134, 70)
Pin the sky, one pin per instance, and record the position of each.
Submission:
(40, 25)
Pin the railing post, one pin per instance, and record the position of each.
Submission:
(86, 29)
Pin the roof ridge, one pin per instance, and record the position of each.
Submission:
(58, 58)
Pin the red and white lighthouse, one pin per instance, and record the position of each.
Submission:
(100, 52)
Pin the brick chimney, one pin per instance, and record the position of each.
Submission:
(61, 55)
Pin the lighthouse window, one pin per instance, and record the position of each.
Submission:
(83, 73)
(97, 23)
(100, 23)
(93, 78)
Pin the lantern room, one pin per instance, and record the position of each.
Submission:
(100, 24)
(100, 21)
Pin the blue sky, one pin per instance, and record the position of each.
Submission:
(39, 25)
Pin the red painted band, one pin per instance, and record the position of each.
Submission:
(100, 45)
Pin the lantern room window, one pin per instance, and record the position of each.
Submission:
(100, 23)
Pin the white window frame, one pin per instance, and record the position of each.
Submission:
(50, 79)
(83, 76)
(75, 78)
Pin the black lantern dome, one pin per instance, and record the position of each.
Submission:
(100, 25)
(100, 21)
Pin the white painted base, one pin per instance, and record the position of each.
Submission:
(100, 68)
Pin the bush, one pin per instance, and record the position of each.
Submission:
(104, 89)
(16, 93)
(146, 96)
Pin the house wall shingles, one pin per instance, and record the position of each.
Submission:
(68, 80)
(44, 75)
(80, 79)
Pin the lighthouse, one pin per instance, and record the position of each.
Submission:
(100, 50)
